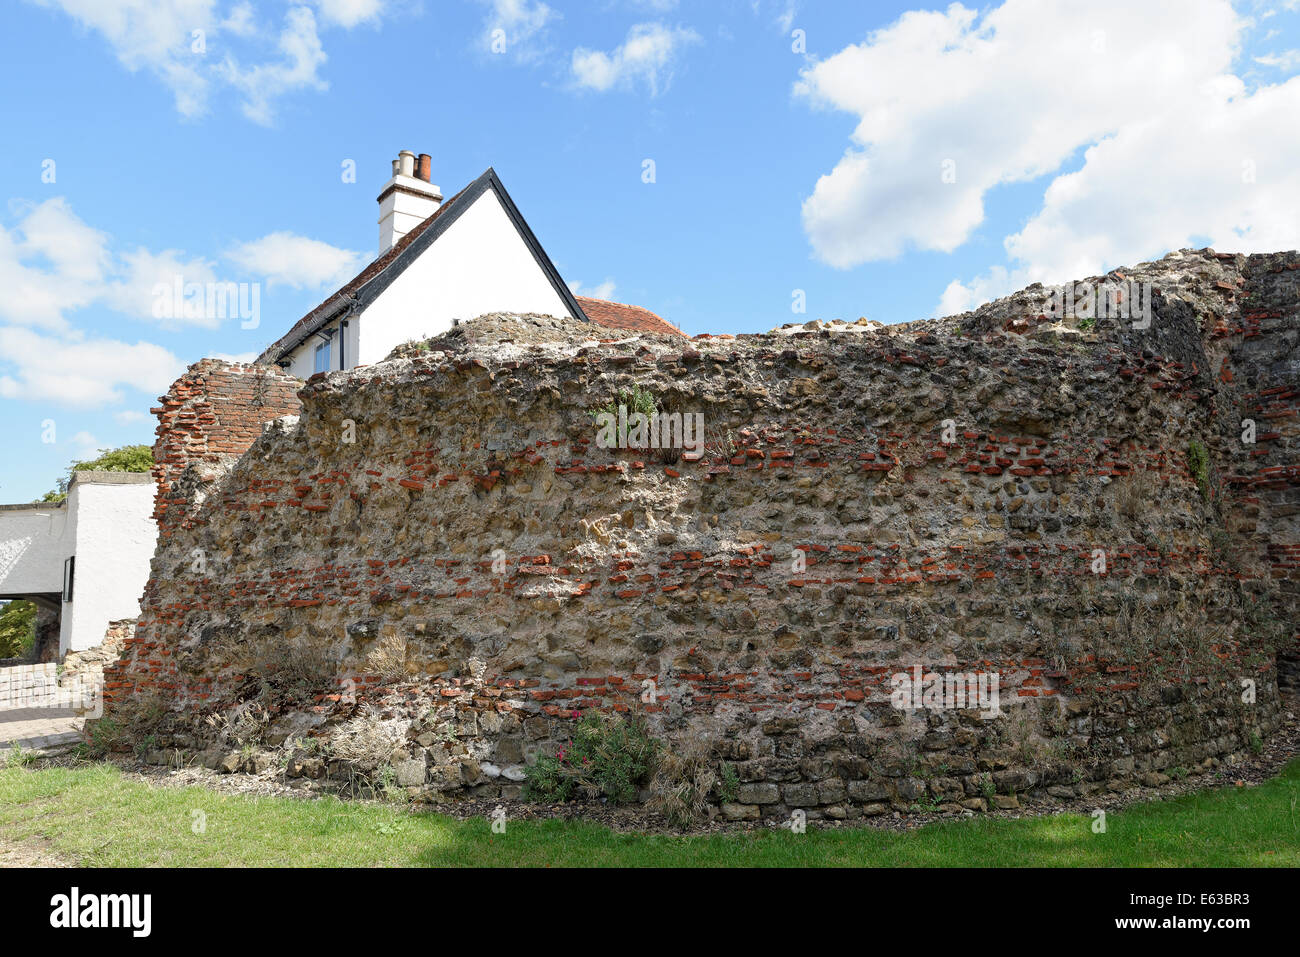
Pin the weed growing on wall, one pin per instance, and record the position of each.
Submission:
(298, 667)
(1134, 495)
(633, 400)
(634, 420)
(684, 780)
(609, 756)
(102, 736)
(131, 721)
(1198, 463)
(242, 727)
(729, 784)
(366, 746)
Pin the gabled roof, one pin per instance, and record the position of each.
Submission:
(359, 292)
(618, 315)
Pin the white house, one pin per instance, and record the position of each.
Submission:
(85, 558)
(440, 262)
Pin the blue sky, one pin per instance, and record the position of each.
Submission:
(889, 160)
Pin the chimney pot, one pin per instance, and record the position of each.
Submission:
(404, 205)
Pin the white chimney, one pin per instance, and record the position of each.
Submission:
(407, 199)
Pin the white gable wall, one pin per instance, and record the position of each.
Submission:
(107, 523)
(480, 264)
(115, 536)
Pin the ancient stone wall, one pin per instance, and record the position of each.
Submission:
(83, 671)
(209, 417)
(437, 541)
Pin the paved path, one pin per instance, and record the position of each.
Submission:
(38, 728)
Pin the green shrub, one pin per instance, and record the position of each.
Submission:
(104, 735)
(609, 757)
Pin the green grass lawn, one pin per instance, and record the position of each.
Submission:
(94, 816)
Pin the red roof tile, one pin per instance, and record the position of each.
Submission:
(617, 315)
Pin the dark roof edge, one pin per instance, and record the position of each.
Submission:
(535, 247)
(321, 315)
(451, 212)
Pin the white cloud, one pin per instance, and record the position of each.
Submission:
(646, 56)
(153, 35)
(85, 446)
(348, 13)
(53, 263)
(785, 20)
(961, 296)
(142, 275)
(602, 291)
(129, 417)
(50, 263)
(991, 96)
(264, 83)
(296, 261)
(242, 20)
(245, 357)
(1286, 60)
(81, 373)
(192, 47)
(1223, 177)
(782, 12)
(54, 233)
(516, 27)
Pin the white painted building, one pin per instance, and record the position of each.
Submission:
(440, 262)
(86, 558)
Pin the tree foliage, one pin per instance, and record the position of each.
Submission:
(17, 629)
(128, 458)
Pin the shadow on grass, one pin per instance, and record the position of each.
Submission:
(1225, 827)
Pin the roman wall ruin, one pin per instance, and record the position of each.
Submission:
(437, 541)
